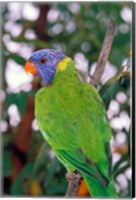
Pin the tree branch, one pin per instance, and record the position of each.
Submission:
(95, 78)
(41, 25)
(73, 183)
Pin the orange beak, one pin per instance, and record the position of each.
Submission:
(30, 68)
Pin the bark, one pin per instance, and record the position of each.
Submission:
(73, 184)
(103, 57)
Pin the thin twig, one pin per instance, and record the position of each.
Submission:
(95, 78)
(73, 184)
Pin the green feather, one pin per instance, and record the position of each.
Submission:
(72, 118)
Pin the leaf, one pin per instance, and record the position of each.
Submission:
(19, 99)
(124, 158)
(19, 185)
(121, 82)
(6, 138)
(56, 188)
(109, 90)
(39, 160)
(21, 102)
(129, 189)
(36, 42)
(7, 164)
(51, 170)
(20, 60)
(122, 169)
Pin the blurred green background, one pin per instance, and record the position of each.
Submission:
(29, 167)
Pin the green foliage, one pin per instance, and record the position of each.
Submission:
(77, 27)
(117, 169)
(18, 59)
(18, 99)
(7, 164)
(17, 188)
(109, 90)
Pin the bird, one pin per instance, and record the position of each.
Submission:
(73, 120)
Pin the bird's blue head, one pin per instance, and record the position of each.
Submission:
(44, 62)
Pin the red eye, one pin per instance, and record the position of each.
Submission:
(43, 60)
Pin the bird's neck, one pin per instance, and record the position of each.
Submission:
(63, 64)
(65, 71)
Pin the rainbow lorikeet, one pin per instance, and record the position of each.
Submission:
(72, 119)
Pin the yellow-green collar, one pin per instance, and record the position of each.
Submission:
(62, 65)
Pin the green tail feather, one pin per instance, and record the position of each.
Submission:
(97, 190)
(95, 183)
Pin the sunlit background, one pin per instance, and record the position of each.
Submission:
(77, 29)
